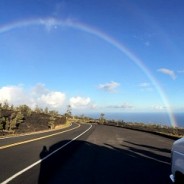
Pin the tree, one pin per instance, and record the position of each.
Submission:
(1, 124)
(38, 109)
(51, 123)
(68, 111)
(46, 110)
(25, 110)
(2, 121)
(15, 120)
(13, 124)
(19, 117)
(5, 105)
(53, 113)
(12, 107)
(7, 124)
(102, 119)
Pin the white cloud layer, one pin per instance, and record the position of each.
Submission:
(81, 102)
(109, 87)
(167, 72)
(53, 99)
(38, 95)
(13, 94)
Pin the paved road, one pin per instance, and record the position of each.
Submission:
(104, 154)
(18, 157)
(27, 137)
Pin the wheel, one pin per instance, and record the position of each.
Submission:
(179, 178)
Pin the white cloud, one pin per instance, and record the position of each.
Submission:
(123, 106)
(50, 23)
(167, 72)
(81, 102)
(109, 87)
(13, 94)
(38, 95)
(145, 86)
(53, 99)
(158, 107)
(39, 90)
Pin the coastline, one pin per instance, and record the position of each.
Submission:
(161, 118)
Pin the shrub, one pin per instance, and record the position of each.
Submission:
(2, 122)
(51, 123)
(14, 121)
(25, 110)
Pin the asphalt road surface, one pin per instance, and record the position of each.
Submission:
(86, 154)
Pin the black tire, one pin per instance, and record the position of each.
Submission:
(179, 178)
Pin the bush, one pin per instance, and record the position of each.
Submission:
(25, 110)
(51, 123)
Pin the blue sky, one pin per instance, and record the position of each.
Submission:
(97, 56)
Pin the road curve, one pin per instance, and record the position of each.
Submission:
(103, 154)
(12, 140)
(20, 153)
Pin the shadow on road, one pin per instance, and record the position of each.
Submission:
(84, 162)
(150, 147)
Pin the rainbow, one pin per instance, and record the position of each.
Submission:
(52, 22)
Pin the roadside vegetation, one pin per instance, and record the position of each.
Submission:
(23, 119)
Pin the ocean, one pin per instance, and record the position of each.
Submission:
(156, 118)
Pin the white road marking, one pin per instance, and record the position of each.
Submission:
(39, 161)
